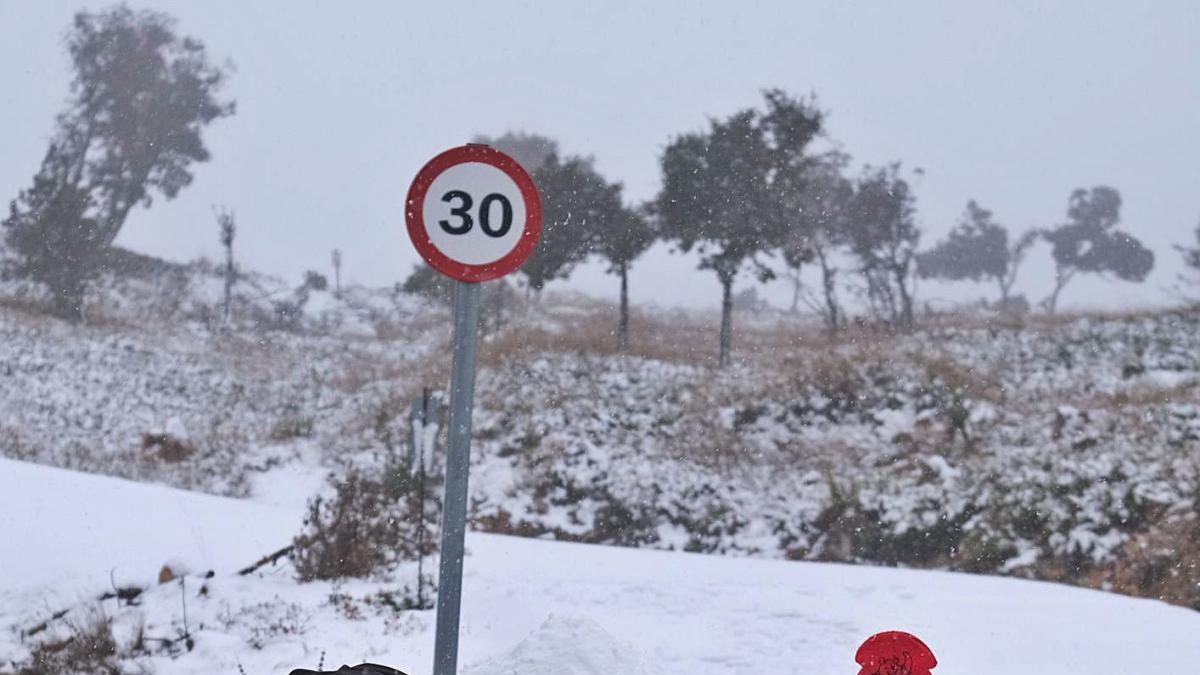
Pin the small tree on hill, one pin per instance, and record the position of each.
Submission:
(977, 249)
(1090, 243)
(140, 97)
(620, 244)
(723, 187)
(884, 237)
(577, 205)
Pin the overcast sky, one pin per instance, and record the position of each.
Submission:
(1013, 104)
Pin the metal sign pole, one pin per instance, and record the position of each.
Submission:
(458, 454)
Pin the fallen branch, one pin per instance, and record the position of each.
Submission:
(45, 624)
(267, 560)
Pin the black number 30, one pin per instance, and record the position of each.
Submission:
(466, 222)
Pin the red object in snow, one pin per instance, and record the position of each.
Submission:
(894, 653)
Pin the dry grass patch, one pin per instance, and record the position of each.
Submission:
(674, 338)
(89, 649)
(1146, 394)
(1163, 564)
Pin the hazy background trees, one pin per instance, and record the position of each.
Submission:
(978, 248)
(1088, 242)
(530, 150)
(883, 239)
(754, 191)
(1191, 259)
(577, 202)
(139, 99)
(823, 209)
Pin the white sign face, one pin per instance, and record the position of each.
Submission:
(474, 213)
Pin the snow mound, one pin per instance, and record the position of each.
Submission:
(565, 645)
(82, 531)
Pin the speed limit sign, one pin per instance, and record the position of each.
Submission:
(474, 213)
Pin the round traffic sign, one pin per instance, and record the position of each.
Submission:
(473, 213)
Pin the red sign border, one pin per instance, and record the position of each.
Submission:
(473, 152)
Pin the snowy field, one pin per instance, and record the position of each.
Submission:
(531, 606)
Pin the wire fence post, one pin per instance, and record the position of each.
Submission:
(417, 465)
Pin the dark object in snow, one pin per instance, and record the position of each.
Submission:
(894, 653)
(360, 669)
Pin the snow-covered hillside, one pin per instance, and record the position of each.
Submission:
(1046, 449)
(531, 606)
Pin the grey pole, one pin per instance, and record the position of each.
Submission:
(458, 455)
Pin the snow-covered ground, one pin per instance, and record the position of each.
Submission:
(531, 606)
(67, 532)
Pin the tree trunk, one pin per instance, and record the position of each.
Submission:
(726, 321)
(795, 293)
(66, 279)
(228, 283)
(623, 326)
(832, 318)
(906, 300)
(68, 303)
(1061, 277)
(881, 296)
